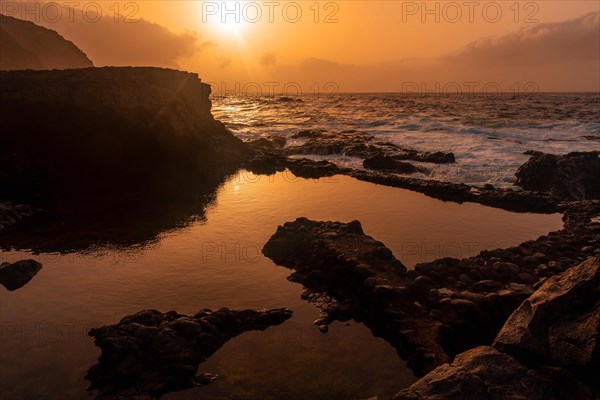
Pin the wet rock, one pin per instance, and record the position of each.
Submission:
(309, 133)
(330, 247)
(149, 354)
(360, 145)
(486, 373)
(321, 143)
(437, 157)
(382, 162)
(16, 275)
(573, 176)
(560, 323)
(311, 169)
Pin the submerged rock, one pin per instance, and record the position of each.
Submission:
(16, 275)
(151, 353)
(574, 176)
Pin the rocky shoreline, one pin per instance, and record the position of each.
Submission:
(440, 309)
(489, 325)
(548, 349)
(385, 165)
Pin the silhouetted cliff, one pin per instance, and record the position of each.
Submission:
(97, 128)
(25, 45)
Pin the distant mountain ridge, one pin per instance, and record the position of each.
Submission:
(25, 45)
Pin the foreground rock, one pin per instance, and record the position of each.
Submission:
(574, 176)
(16, 275)
(486, 373)
(150, 353)
(548, 348)
(439, 309)
(560, 323)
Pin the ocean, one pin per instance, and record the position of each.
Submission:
(488, 133)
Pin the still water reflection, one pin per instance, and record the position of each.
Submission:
(210, 258)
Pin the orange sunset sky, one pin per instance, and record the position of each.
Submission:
(372, 46)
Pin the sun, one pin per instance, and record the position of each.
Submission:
(230, 26)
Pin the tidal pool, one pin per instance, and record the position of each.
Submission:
(214, 260)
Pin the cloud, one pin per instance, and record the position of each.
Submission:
(225, 62)
(563, 56)
(573, 40)
(268, 59)
(139, 43)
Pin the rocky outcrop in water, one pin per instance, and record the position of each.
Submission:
(383, 162)
(574, 176)
(99, 128)
(149, 354)
(439, 309)
(16, 275)
(270, 157)
(25, 45)
(356, 144)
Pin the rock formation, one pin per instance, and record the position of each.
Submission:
(109, 127)
(548, 348)
(439, 309)
(560, 323)
(574, 176)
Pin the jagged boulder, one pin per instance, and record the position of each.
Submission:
(560, 323)
(573, 176)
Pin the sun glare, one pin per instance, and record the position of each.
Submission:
(230, 26)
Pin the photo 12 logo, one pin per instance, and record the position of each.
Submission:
(71, 11)
(273, 89)
(253, 12)
(453, 12)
